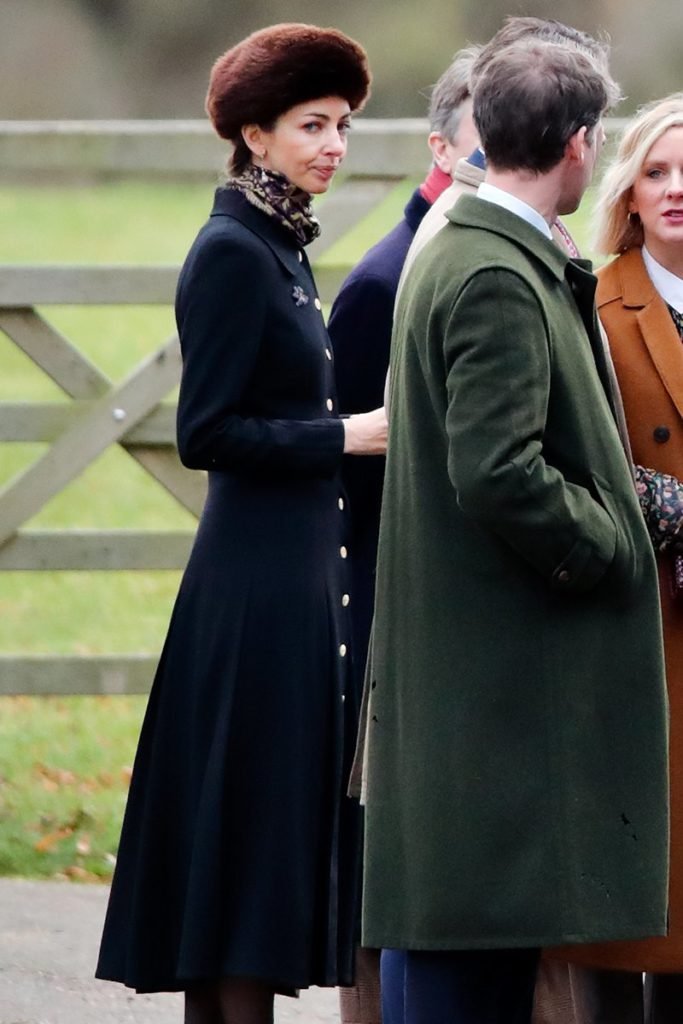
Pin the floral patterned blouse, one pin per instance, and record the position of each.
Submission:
(661, 495)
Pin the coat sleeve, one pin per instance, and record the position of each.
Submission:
(221, 312)
(360, 330)
(498, 381)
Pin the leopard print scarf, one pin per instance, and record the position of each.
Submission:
(275, 195)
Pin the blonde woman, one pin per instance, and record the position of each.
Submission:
(640, 302)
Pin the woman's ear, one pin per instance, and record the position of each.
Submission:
(253, 138)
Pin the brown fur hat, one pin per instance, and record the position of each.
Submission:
(278, 67)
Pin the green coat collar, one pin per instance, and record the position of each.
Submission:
(470, 211)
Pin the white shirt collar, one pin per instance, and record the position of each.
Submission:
(669, 286)
(493, 194)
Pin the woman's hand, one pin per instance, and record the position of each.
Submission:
(365, 433)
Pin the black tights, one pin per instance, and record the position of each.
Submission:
(231, 1001)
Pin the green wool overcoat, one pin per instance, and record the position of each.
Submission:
(516, 760)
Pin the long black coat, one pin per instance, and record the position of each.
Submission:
(238, 853)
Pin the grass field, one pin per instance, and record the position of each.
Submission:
(65, 763)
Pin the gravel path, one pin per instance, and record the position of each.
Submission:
(49, 933)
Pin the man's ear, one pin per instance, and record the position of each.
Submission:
(576, 146)
(439, 148)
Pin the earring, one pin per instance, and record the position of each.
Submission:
(633, 218)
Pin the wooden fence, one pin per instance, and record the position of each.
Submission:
(101, 413)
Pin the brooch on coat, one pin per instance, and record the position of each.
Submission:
(299, 295)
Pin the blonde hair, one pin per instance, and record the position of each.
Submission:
(616, 230)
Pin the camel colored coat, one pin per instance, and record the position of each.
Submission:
(648, 356)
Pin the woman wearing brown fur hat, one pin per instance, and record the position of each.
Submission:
(237, 868)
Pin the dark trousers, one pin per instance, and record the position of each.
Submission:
(567, 994)
(663, 998)
(459, 987)
(393, 985)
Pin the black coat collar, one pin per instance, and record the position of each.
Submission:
(229, 202)
(415, 210)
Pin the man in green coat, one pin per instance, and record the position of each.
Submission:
(516, 772)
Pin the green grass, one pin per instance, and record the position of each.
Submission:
(109, 223)
(65, 770)
(64, 763)
(118, 222)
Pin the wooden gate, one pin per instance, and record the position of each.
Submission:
(132, 413)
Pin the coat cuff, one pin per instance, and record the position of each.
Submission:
(584, 567)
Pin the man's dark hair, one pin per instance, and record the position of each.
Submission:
(530, 100)
(516, 29)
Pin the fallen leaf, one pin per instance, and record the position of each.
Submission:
(79, 819)
(75, 871)
(51, 840)
(58, 776)
(78, 874)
